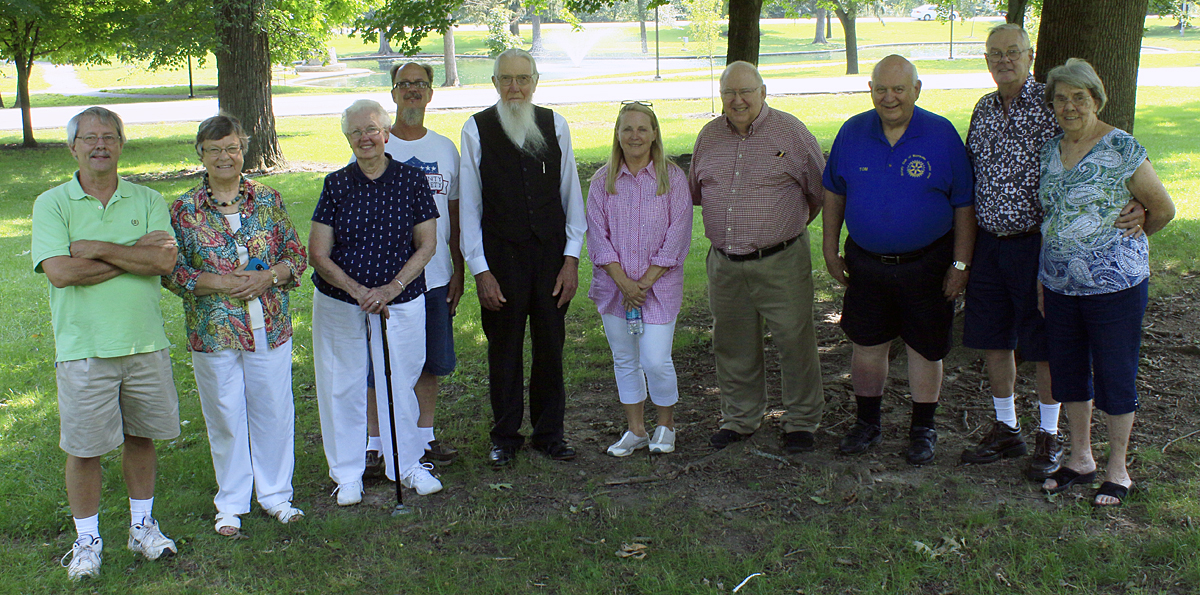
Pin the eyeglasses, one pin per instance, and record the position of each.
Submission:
(232, 151)
(357, 134)
(522, 80)
(92, 140)
(1079, 100)
(731, 93)
(1012, 54)
(633, 102)
(406, 85)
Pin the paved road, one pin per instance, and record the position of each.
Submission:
(547, 94)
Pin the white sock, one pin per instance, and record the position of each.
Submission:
(1050, 417)
(375, 443)
(140, 510)
(1006, 411)
(426, 434)
(89, 527)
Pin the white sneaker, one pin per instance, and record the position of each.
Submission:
(663, 440)
(285, 513)
(84, 558)
(146, 538)
(628, 443)
(349, 493)
(420, 479)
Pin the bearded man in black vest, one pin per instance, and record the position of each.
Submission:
(523, 224)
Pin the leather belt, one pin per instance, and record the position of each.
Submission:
(1016, 235)
(909, 256)
(760, 253)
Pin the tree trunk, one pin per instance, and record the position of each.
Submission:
(743, 31)
(828, 26)
(385, 48)
(1016, 12)
(535, 23)
(448, 58)
(24, 66)
(1106, 33)
(847, 20)
(514, 25)
(244, 78)
(819, 36)
(641, 19)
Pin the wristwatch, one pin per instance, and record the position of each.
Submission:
(960, 265)
(274, 278)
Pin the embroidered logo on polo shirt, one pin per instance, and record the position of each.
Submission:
(134, 222)
(916, 166)
(437, 183)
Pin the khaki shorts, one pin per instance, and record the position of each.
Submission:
(100, 399)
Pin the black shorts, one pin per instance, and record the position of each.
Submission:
(885, 301)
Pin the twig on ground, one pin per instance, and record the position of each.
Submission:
(1169, 443)
(746, 507)
(744, 581)
(672, 475)
(767, 455)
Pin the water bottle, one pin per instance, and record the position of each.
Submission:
(633, 317)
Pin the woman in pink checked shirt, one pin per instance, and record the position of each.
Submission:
(639, 214)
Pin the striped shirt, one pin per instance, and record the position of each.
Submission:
(637, 228)
(757, 190)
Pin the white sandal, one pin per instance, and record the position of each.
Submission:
(226, 521)
(285, 513)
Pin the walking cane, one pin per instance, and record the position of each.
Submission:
(400, 509)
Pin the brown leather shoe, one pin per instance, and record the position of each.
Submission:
(1047, 456)
(440, 452)
(1000, 442)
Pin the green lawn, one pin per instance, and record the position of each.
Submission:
(483, 537)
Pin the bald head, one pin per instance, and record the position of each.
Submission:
(893, 64)
(743, 68)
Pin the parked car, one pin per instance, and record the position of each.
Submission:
(929, 12)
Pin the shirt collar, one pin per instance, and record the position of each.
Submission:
(916, 126)
(624, 171)
(762, 115)
(75, 190)
(357, 174)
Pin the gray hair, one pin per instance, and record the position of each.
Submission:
(740, 64)
(1024, 35)
(892, 58)
(515, 53)
(398, 66)
(219, 127)
(106, 116)
(366, 105)
(1077, 73)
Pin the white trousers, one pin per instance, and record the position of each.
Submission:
(340, 359)
(638, 359)
(246, 397)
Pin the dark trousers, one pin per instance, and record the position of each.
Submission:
(526, 273)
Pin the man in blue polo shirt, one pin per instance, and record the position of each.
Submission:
(900, 179)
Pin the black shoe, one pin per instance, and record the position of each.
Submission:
(920, 445)
(557, 451)
(799, 441)
(861, 436)
(502, 456)
(725, 437)
(1000, 442)
(1047, 456)
(374, 464)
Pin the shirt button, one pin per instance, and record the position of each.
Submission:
(730, 209)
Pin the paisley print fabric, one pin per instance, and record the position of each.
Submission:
(207, 245)
(1082, 253)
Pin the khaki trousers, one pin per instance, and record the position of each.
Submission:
(777, 290)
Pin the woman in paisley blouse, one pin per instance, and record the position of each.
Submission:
(239, 256)
(1094, 276)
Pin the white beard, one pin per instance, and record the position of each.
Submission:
(516, 118)
(411, 116)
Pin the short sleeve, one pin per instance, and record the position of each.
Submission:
(424, 207)
(49, 237)
(158, 215)
(326, 210)
(830, 178)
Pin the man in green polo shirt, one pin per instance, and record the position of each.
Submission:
(102, 243)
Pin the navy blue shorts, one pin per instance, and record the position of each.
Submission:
(1002, 311)
(1097, 340)
(439, 337)
(885, 301)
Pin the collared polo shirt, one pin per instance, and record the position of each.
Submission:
(1005, 150)
(899, 198)
(373, 223)
(756, 190)
(120, 316)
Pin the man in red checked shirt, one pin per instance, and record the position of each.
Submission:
(757, 174)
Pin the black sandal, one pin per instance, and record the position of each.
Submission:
(1064, 478)
(1112, 490)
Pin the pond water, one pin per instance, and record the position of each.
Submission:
(558, 66)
